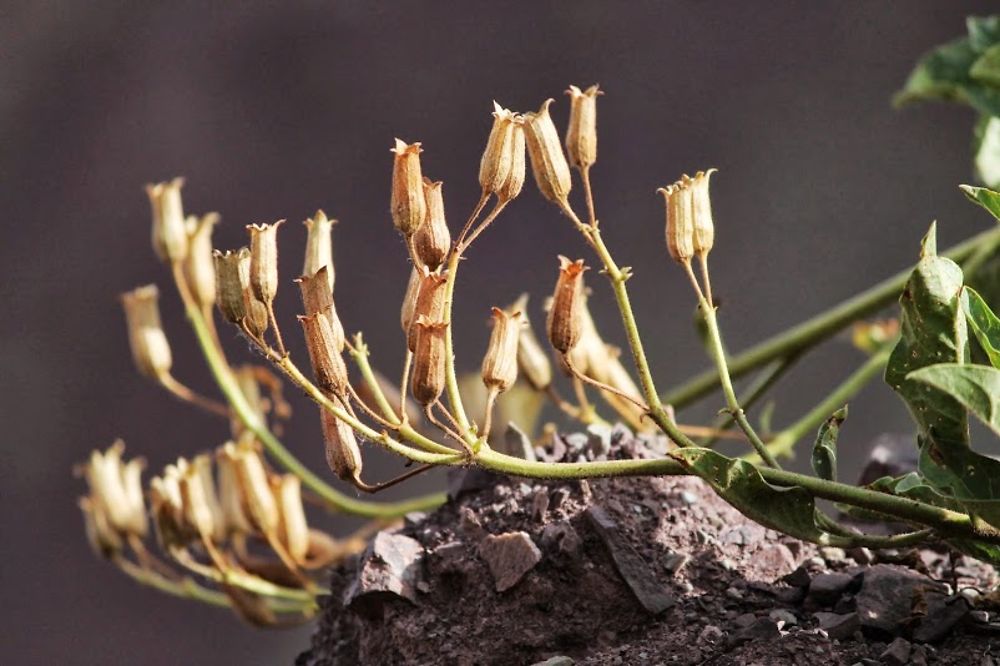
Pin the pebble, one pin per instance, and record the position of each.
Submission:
(825, 589)
(970, 594)
(861, 555)
(555, 661)
(733, 593)
(710, 634)
(837, 626)
(886, 597)
(786, 617)
(509, 556)
(689, 498)
(390, 565)
(832, 554)
(943, 613)
(745, 620)
(897, 654)
(979, 616)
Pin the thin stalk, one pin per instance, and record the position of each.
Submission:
(818, 328)
(359, 352)
(182, 391)
(184, 588)
(768, 377)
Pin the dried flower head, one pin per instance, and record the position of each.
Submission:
(495, 165)
(199, 267)
(103, 538)
(581, 134)
(232, 281)
(150, 349)
(231, 496)
(264, 260)
(433, 240)
(499, 369)
(548, 162)
(167, 508)
(343, 454)
(197, 506)
(319, 246)
(116, 490)
(293, 529)
(408, 206)
(430, 301)
(565, 314)
(257, 496)
(680, 219)
(515, 179)
(704, 228)
(170, 238)
(532, 360)
(327, 362)
(428, 359)
(318, 299)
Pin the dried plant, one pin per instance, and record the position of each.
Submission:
(231, 529)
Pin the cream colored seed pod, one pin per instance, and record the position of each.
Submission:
(581, 134)
(197, 512)
(232, 279)
(318, 299)
(167, 509)
(428, 378)
(199, 267)
(150, 349)
(680, 222)
(264, 260)
(548, 163)
(499, 369)
(565, 314)
(433, 240)
(294, 530)
(407, 203)
(170, 238)
(495, 165)
(117, 489)
(515, 179)
(231, 501)
(327, 363)
(532, 360)
(429, 303)
(257, 495)
(257, 318)
(342, 452)
(103, 539)
(319, 246)
(704, 228)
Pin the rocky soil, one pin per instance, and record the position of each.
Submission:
(640, 571)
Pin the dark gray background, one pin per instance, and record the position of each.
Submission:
(274, 110)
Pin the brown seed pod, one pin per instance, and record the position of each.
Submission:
(581, 134)
(499, 369)
(319, 246)
(428, 359)
(232, 280)
(515, 179)
(410, 300)
(429, 303)
(256, 319)
(548, 163)
(170, 238)
(495, 165)
(565, 324)
(704, 228)
(680, 222)
(199, 267)
(342, 452)
(407, 204)
(257, 495)
(264, 260)
(150, 348)
(433, 240)
(318, 299)
(327, 363)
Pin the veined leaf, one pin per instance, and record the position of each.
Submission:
(788, 510)
(984, 324)
(976, 387)
(985, 197)
(824, 453)
(940, 74)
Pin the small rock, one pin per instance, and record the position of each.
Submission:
(389, 568)
(742, 535)
(776, 559)
(674, 562)
(469, 525)
(576, 443)
(598, 441)
(861, 555)
(745, 620)
(886, 597)
(558, 497)
(735, 594)
(540, 504)
(845, 604)
(790, 595)
(825, 589)
(979, 616)
(633, 569)
(897, 654)
(943, 613)
(838, 627)
(970, 594)
(689, 498)
(685, 587)
(798, 578)
(710, 634)
(786, 617)
(560, 537)
(515, 443)
(555, 661)
(413, 518)
(831, 554)
(509, 556)
(762, 629)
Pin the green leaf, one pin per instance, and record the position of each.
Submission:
(986, 69)
(982, 97)
(984, 324)
(972, 479)
(824, 454)
(933, 331)
(984, 197)
(986, 150)
(940, 74)
(788, 510)
(984, 32)
(976, 387)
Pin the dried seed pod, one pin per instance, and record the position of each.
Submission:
(327, 362)
(680, 225)
(257, 318)
(407, 204)
(499, 369)
(548, 162)
(704, 228)
(232, 280)
(202, 468)
(234, 513)
(116, 489)
(103, 539)
(264, 260)
(318, 299)
(515, 179)
(342, 452)
(565, 314)
(319, 246)
(294, 529)
(581, 134)
(150, 349)
(199, 267)
(170, 239)
(433, 240)
(495, 165)
(197, 511)
(532, 360)
(257, 495)
(428, 373)
(167, 508)
(429, 302)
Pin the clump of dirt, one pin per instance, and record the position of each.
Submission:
(639, 571)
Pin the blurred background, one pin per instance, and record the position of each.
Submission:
(272, 110)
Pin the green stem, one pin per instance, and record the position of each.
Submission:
(768, 377)
(783, 443)
(184, 588)
(223, 376)
(818, 328)
(359, 352)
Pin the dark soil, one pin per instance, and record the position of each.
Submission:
(640, 571)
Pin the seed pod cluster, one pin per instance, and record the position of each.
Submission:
(237, 301)
(150, 349)
(342, 452)
(499, 369)
(432, 240)
(581, 133)
(565, 323)
(199, 267)
(317, 298)
(407, 204)
(548, 163)
(170, 237)
(689, 227)
(319, 246)
(115, 506)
